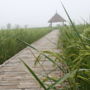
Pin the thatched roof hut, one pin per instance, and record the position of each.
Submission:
(56, 18)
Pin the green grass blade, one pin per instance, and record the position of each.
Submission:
(54, 62)
(27, 44)
(42, 53)
(61, 80)
(74, 28)
(35, 76)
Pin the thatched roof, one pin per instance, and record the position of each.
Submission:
(56, 18)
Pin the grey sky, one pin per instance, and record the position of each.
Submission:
(38, 12)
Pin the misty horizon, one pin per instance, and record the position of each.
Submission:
(37, 13)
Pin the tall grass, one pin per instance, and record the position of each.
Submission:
(9, 45)
(75, 55)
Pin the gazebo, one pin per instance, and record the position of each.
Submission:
(56, 18)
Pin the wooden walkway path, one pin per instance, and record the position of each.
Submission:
(15, 76)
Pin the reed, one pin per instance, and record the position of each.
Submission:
(9, 44)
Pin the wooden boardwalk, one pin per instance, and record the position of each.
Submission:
(15, 76)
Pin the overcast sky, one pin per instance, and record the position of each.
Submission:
(37, 12)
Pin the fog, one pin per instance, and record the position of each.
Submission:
(36, 13)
